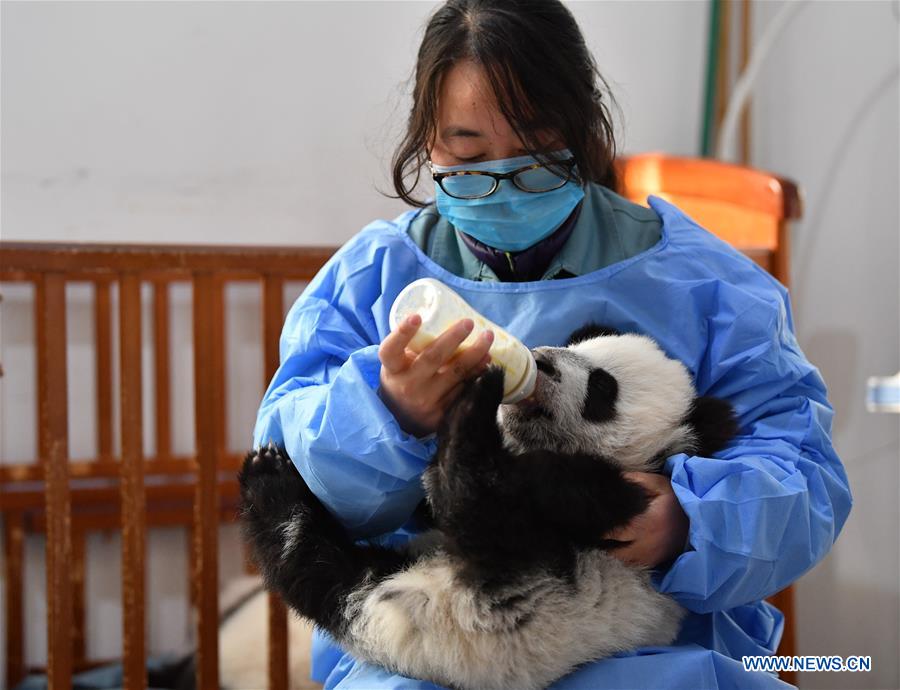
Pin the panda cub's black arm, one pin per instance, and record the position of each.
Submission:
(580, 497)
(499, 508)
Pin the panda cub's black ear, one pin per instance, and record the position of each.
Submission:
(714, 423)
(590, 330)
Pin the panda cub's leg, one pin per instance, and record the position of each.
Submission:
(301, 550)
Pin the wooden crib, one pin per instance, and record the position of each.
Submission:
(132, 492)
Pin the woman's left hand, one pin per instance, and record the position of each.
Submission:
(659, 533)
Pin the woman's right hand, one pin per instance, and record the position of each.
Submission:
(418, 388)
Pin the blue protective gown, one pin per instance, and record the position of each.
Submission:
(762, 512)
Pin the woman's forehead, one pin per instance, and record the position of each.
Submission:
(467, 106)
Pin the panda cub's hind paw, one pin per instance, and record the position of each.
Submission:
(270, 484)
(268, 459)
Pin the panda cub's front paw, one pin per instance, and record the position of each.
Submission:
(473, 414)
(488, 387)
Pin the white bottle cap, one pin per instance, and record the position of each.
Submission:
(526, 385)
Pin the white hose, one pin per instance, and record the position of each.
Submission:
(725, 148)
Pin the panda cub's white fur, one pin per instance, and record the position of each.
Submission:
(515, 586)
(424, 623)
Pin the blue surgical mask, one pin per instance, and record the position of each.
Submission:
(509, 219)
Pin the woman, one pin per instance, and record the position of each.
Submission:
(536, 240)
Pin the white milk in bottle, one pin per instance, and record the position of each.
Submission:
(440, 307)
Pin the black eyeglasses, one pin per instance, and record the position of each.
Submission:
(477, 184)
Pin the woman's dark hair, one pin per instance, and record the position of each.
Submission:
(540, 70)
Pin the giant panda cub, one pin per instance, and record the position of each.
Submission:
(514, 586)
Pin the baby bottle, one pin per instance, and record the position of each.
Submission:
(440, 307)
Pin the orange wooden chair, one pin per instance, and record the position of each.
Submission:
(748, 208)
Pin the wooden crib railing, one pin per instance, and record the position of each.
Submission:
(68, 499)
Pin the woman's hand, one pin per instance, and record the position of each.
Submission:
(659, 533)
(418, 388)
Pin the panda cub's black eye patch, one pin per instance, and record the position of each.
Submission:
(600, 401)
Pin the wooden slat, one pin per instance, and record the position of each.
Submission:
(273, 321)
(79, 646)
(14, 575)
(192, 589)
(103, 350)
(163, 514)
(54, 438)
(161, 368)
(207, 387)
(11, 474)
(132, 484)
(9, 274)
(781, 263)
(40, 306)
(180, 275)
(77, 667)
(301, 263)
(278, 643)
(273, 316)
(216, 357)
(784, 601)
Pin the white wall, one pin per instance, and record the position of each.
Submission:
(274, 123)
(257, 123)
(827, 115)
